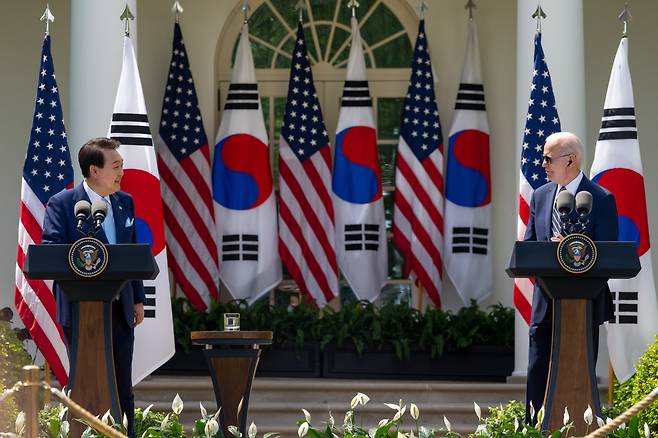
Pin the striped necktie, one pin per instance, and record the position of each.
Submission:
(556, 222)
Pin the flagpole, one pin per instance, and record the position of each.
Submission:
(177, 9)
(539, 15)
(470, 5)
(48, 17)
(126, 16)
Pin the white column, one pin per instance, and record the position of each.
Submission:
(96, 55)
(564, 48)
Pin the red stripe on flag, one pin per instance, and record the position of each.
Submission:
(293, 268)
(199, 225)
(192, 255)
(309, 257)
(434, 173)
(311, 216)
(42, 291)
(30, 224)
(420, 194)
(321, 190)
(524, 210)
(187, 288)
(43, 343)
(199, 182)
(523, 306)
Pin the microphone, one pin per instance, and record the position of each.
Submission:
(583, 203)
(564, 203)
(98, 212)
(82, 209)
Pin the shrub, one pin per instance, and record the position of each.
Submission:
(637, 387)
(12, 358)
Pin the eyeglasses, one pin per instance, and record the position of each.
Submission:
(549, 160)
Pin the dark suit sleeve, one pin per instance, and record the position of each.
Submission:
(55, 229)
(606, 225)
(138, 285)
(530, 232)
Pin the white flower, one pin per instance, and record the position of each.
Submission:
(211, 428)
(600, 421)
(647, 432)
(608, 420)
(393, 406)
(397, 416)
(565, 417)
(516, 424)
(216, 414)
(359, 399)
(382, 422)
(622, 426)
(203, 411)
(307, 415)
(145, 412)
(414, 411)
(532, 410)
(331, 420)
(477, 410)
(540, 415)
(482, 430)
(348, 417)
(253, 430)
(588, 416)
(107, 418)
(165, 422)
(20, 422)
(177, 405)
(125, 421)
(62, 412)
(233, 430)
(447, 423)
(402, 435)
(303, 429)
(64, 429)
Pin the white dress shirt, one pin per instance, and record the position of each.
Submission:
(108, 225)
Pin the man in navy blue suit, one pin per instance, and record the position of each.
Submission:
(563, 152)
(102, 168)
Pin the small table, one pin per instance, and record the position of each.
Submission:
(232, 359)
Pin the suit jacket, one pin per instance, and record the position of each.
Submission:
(60, 226)
(603, 226)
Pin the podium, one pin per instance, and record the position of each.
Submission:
(572, 376)
(232, 368)
(91, 376)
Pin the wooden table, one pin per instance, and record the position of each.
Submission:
(232, 360)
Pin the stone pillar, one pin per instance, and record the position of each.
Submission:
(96, 56)
(564, 48)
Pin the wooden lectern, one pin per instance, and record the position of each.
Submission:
(572, 375)
(232, 368)
(91, 376)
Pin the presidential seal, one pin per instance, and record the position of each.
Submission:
(88, 257)
(576, 253)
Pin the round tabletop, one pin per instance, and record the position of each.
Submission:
(232, 337)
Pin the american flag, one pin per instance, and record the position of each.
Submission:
(541, 121)
(306, 214)
(47, 171)
(418, 212)
(184, 165)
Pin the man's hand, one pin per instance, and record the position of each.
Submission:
(139, 313)
(557, 237)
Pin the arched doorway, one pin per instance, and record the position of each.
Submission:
(388, 28)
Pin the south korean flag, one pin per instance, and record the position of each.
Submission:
(617, 166)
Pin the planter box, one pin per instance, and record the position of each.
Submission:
(274, 362)
(289, 362)
(479, 363)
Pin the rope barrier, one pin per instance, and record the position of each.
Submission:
(626, 416)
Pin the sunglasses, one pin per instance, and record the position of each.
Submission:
(549, 160)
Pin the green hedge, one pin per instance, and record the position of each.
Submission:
(12, 358)
(360, 324)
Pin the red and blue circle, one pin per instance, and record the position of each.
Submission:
(241, 175)
(357, 176)
(468, 174)
(628, 188)
(149, 219)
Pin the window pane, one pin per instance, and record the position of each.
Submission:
(287, 11)
(274, 147)
(265, 106)
(279, 108)
(266, 26)
(323, 9)
(389, 111)
(310, 43)
(395, 262)
(262, 55)
(394, 54)
(388, 209)
(380, 24)
(284, 61)
(323, 37)
(387, 163)
(340, 35)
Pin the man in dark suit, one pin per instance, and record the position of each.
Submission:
(562, 159)
(102, 168)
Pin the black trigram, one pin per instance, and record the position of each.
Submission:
(149, 302)
(625, 307)
(470, 97)
(240, 247)
(618, 124)
(470, 240)
(242, 96)
(356, 93)
(131, 129)
(360, 237)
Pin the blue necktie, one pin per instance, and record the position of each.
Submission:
(556, 222)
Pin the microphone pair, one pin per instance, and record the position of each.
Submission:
(83, 210)
(565, 204)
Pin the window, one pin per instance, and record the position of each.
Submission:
(387, 28)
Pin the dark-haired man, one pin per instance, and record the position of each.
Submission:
(102, 168)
